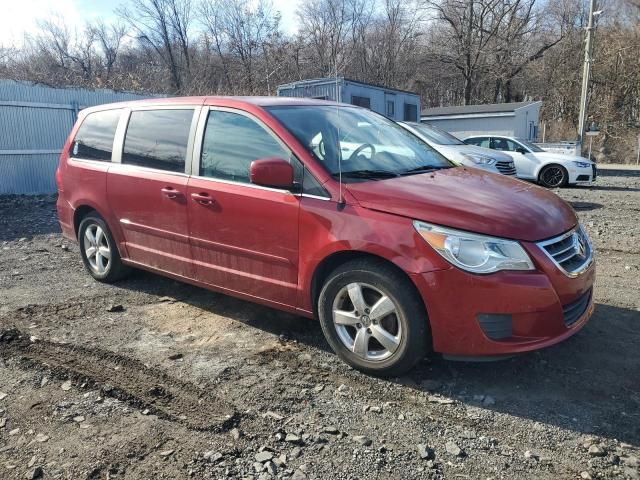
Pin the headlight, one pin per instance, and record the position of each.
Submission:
(472, 252)
(479, 159)
(582, 164)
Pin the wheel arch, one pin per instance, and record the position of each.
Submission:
(85, 208)
(335, 259)
(79, 213)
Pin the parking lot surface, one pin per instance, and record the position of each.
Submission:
(150, 378)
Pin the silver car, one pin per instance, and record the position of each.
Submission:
(459, 152)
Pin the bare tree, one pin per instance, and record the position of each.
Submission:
(109, 38)
(521, 38)
(325, 24)
(163, 25)
(69, 49)
(465, 31)
(449, 51)
(240, 30)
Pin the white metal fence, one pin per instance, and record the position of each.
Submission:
(34, 123)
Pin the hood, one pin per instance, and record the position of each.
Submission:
(560, 157)
(487, 152)
(473, 200)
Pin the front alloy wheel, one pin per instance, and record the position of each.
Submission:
(553, 176)
(366, 322)
(373, 317)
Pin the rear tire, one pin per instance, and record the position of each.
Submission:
(99, 251)
(373, 318)
(553, 176)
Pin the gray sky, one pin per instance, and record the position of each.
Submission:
(20, 16)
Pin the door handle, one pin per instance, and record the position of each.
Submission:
(170, 192)
(202, 198)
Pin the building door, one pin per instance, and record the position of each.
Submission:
(390, 105)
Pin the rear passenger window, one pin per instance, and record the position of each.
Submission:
(94, 140)
(158, 139)
(231, 142)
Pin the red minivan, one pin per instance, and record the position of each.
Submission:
(330, 211)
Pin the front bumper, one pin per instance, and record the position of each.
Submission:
(506, 312)
(583, 176)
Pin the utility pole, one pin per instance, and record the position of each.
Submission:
(586, 72)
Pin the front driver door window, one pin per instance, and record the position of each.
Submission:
(231, 142)
(524, 165)
(506, 145)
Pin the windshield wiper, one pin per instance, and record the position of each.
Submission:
(424, 169)
(369, 174)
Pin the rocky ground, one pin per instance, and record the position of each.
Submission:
(150, 378)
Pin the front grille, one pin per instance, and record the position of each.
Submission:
(506, 168)
(574, 310)
(571, 251)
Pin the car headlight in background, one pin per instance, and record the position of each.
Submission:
(479, 159)
(582, 164)
(472, 252)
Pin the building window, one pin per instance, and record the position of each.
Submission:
(410, 112)
(391, 108)
(361, 101)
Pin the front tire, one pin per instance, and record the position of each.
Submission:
(553, 176)
(373, 318)
(99, 250)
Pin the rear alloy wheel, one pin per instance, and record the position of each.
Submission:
(96, 248)
(553, 176)
(99, 251)
(373, 317)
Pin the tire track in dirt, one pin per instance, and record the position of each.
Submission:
(124, 378)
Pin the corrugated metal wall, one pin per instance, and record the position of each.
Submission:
(308, 89)
(34, 123)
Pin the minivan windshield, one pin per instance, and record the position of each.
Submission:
(437, 136)
(365, 145)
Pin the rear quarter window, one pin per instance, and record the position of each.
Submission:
(94, 139)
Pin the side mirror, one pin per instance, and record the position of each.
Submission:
(271, 172)
(521, 150)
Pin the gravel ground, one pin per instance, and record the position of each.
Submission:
(150, 378)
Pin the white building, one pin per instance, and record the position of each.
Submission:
(512, 119)
(391, 102)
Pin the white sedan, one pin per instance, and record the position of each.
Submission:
(549, 169)
(458, 152)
